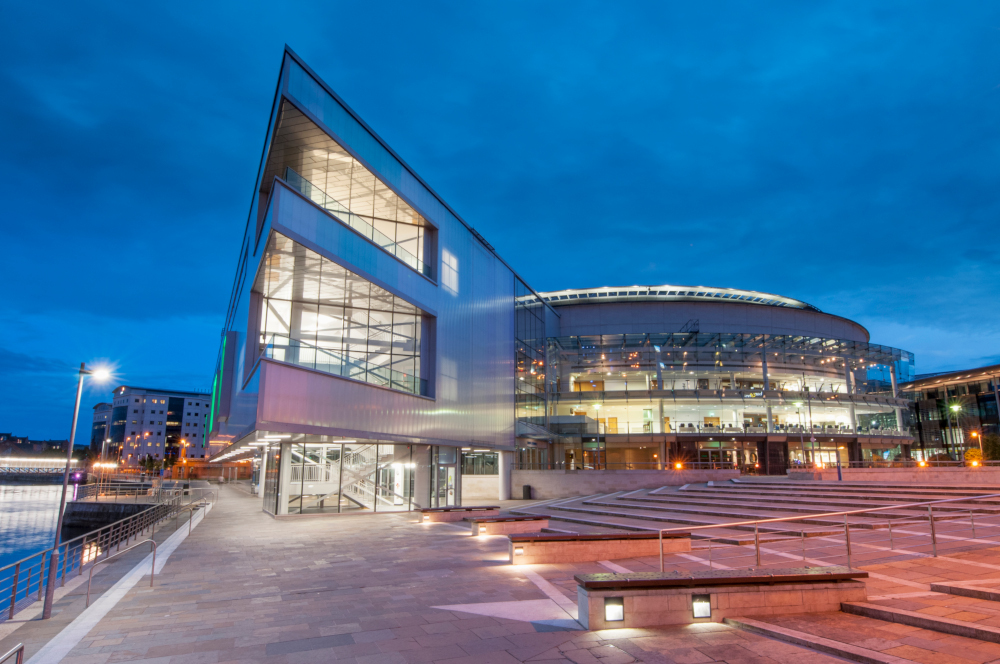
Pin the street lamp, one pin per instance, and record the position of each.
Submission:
(99, 375)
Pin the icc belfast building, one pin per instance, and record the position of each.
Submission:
(379, 355)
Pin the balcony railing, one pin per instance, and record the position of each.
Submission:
(283, 348)
(730, 429)
(352, 220)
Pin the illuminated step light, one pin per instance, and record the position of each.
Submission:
(427, 517)
(482, 530)
(702, 606)
(518, 550)
(614, 609)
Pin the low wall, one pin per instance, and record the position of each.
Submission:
(480, 487)
(673, 606)
(982, 476)
(92, 516)
(546, 484)
(554, 552)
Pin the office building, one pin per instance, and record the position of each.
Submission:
(156, 423)
(376, 346)
(99, 428)
(953, 410)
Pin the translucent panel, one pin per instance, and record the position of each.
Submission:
(358, 290)
(357, 330)
(385, 202)
(330, 327)
(381, 298)
(379, 331)
(405, 333)
(278, 313)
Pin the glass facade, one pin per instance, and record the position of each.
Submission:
(350, 476)
(529, 337)
(320, 169)
(953, 417)
(319, 315)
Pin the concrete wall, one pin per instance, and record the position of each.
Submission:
(547, 484)
(987, 476)
(480, 487)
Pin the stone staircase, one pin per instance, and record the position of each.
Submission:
(724, 503)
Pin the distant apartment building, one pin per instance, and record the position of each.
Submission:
(23, 446)
(99, 429)
(146, 421)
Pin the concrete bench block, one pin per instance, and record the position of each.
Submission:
(563, 551)
(507, 527)
(450, 516)
(673, 606)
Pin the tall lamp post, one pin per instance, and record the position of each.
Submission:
(99, 375)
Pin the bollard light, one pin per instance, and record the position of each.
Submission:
(614, 609)
(518, 550)
(702, 606)
(975, 463)
(678, 465)
(922, 464)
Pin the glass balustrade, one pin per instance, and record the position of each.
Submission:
(293, 351)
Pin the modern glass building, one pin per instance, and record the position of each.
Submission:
(953, 410)
(376, 348)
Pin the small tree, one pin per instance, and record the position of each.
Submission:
(991, 446)
(973, 454)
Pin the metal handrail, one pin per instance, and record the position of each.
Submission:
(756, 522)
(77, 548)
(152, 571)
(189, 508)
(16, 650)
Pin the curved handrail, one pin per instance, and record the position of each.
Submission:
(152, 571)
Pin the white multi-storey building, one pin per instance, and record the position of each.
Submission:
(158, 423)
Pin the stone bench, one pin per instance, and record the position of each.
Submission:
(652, 599)
(438, 514)
(504, 525)
(582, 548)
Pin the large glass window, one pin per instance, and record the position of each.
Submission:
(322, 316)
(320, 169)
(529, 332)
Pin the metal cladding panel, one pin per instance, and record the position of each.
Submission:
(642, 317)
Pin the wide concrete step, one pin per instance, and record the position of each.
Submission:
(635, 517)
(733, 513)
(923, 620)
(944, 491)
(769, 504)
(902, 486)
(988, 505)
(822, 644)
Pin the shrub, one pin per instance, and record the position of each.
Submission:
(991, 446)
(973, 454)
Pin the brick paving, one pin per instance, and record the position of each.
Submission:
(361, 588)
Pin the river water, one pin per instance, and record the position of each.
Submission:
(28, 519)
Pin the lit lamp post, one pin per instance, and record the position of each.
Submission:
(99, 375)
(955, 408)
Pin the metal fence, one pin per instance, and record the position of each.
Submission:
(851, 537)
(23, 582)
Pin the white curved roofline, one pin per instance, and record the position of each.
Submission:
(668, 293)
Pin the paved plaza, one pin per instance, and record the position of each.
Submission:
(384, 588)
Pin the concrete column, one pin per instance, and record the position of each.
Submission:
(763, 366)
(663, 454)
(895, 394)
(506, 460)
(659, 368)
(732, 380)
(658, 426)
(770, 423)
(284, 477)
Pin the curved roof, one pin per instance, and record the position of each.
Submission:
(669, 293)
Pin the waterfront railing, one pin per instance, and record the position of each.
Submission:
(23, 582)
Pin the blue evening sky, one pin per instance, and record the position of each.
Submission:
(843, 153)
